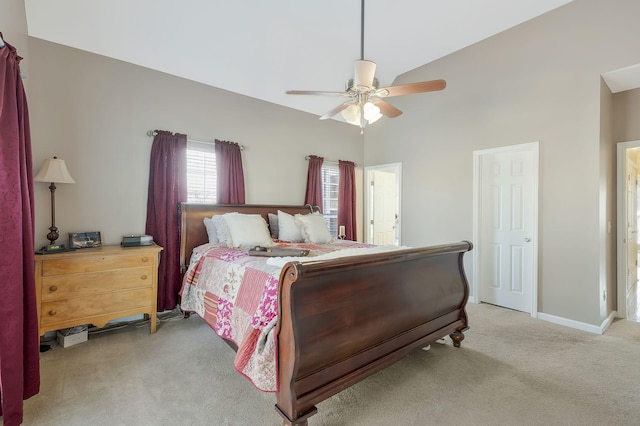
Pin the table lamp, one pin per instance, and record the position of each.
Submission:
(54, 171)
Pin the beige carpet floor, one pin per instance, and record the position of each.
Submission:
(511, 370)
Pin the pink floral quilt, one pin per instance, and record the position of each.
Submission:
(237, 295)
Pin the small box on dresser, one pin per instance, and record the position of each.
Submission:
(96, 285)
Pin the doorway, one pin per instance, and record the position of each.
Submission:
(505, 202)
(628, 300)
(382, 200)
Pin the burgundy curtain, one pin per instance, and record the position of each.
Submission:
(19, 340)
(229, 174)
(347, 199)
(167, 188)
(313, 195)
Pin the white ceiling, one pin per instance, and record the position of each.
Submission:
(262, 48)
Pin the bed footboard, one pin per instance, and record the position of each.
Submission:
(342, 320)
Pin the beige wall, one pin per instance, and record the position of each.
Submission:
(539, 82)
(94, 113)
(13, 26)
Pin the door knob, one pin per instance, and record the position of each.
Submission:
(527, 239)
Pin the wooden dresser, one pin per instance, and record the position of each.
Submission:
(96, 285)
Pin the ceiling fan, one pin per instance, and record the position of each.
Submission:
(366, 103)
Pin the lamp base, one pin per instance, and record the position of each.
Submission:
(54, 248)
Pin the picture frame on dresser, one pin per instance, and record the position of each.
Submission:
(79, 240)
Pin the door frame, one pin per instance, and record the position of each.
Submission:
(368, 202)
(621, 195)
(534, 147)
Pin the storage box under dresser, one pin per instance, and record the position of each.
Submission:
(96, 285)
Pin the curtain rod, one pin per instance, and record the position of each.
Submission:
(329, 161)
(152, 133)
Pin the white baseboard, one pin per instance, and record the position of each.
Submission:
(577, 324)
(607, 322)
(572, 323)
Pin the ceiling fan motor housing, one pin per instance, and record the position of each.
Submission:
(363, 74)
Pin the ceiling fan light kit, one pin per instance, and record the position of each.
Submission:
(366, 105)
(354, 113)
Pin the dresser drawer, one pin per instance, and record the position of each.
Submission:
(73, 265)
(83, 308)
(74, 285)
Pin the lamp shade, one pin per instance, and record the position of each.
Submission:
(352, 114)
(371, 112)
(54, 170)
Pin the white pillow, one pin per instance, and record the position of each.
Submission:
(288, 229)
(211, 230)
(247, 230)
(314, 228)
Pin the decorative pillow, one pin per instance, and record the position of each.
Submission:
(247, 230)
(211, 230)
(314, 228)
(288, 229)
(273, 225)
(222, 232)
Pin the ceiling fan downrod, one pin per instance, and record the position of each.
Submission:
(362, 31)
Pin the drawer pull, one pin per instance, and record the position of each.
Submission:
(53, 288)
(144, 277)
(53, 312)
(145, 259)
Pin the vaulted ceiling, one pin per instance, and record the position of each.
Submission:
(262, 48)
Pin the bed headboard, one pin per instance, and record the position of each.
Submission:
(192, 230)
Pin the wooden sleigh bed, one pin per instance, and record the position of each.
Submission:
(342, 320)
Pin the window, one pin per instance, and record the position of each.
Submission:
(330, 185)
(201, 173)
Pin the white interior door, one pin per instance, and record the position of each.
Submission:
(385, 216)
(382, 198)
(506, 225)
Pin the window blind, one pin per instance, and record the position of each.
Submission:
(201, 172)
(330, 185)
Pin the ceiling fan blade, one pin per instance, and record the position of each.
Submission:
(408, 89)
(336, 110)
(312, 92)
(386, 108)
(364, 73)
